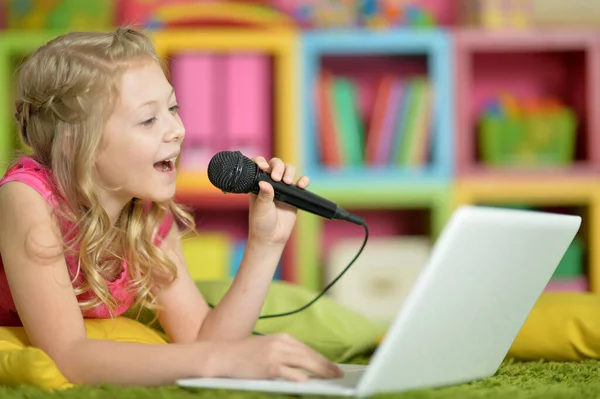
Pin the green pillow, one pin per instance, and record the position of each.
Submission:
(337, 332)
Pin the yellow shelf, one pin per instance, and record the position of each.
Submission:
(195, 181)
(283, 45)
(548, 192)
(280, 43)
(194, 188)
(276, 41)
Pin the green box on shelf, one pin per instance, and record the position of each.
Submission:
(571, 264)
(535, 140)
(522, 207)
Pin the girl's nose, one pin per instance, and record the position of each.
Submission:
(175, 133)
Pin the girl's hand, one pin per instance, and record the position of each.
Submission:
(272, 222)
(269, 357)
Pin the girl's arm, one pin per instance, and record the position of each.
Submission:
(186, 316)
(41, 287)
(37, 274)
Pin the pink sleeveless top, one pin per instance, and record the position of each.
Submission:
(30, 172)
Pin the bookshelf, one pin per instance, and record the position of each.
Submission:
(280, 45)
(421, 211)
(461, 66)
(390, 193)
(430, 55)
(578, 196)
(548, 64)
(537, 64)
(214, 210)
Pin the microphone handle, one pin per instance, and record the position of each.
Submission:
(298, 197)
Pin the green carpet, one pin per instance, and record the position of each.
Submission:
(514, 380)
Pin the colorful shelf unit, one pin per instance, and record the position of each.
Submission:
(562, 195)
(538, 70)
(413, 197)
(237, 92)
(353, 86)
(535, 169)
(200, 48)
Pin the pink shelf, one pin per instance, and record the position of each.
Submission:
(565, 65)
(212, 201)
(579, 284)
(382, 223)
(542, 39)
(226, 104)
(579, 170)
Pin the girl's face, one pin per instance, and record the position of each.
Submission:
(141, 140)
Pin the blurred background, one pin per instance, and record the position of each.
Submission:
(398, 110)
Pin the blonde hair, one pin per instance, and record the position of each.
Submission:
(67, 90)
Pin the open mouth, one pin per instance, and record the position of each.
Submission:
(166, 165)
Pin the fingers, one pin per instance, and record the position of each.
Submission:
(302, 356)
(292, 374)
(266, 191)
(303, 182)
(262, 163)
(280, 171)
(289, 173)
(313, 362)
(278, 168)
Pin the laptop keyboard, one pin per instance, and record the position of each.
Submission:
(347, 368)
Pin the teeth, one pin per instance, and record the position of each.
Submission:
(168, 164)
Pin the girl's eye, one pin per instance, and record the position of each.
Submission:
(149, 122)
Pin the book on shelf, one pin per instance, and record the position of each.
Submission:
(398, 133)
(226, 104)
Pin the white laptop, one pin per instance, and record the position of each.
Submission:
(485, 274)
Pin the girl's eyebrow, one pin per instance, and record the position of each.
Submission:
(154, 101)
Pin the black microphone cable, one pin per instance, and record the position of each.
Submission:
(324, 291)
(233, 172)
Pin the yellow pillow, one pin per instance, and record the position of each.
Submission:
(561, 326)
(21, 364)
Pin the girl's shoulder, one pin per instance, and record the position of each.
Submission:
(30, 172)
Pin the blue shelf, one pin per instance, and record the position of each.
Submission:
(353, 178)
(433, 44)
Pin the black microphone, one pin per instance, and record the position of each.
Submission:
(233, 172)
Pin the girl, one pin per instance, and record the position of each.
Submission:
(89, 227)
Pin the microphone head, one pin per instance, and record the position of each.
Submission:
(232, 172)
